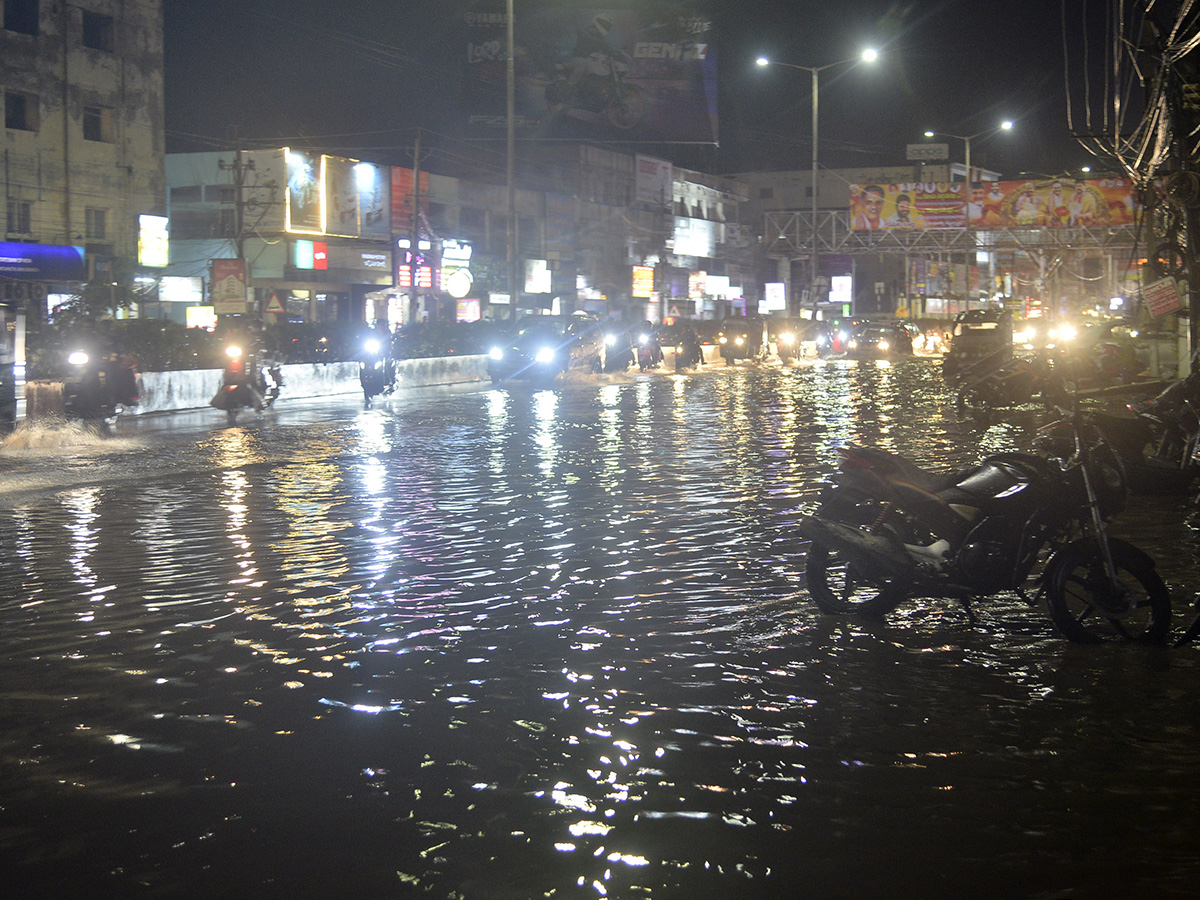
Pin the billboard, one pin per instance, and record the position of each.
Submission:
(403, 188)
(42, 262)
(305, 195)
(1054, 202)
(1051, 203)
(590, 73)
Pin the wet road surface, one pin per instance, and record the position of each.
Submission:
(519, 643)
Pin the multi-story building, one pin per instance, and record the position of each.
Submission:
(81, 85)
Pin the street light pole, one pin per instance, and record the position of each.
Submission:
(866, 56)
(511, 109)
(1006, 125)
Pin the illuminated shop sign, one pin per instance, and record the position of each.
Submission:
(42, 262)
(643, 281)
(153, 243)
(311, 255)
(411, 263)
(456, 278)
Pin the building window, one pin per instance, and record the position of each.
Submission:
(96, 223)
(20, 217)
(20, 111)
(219, 193)
(98, 32)
(21, 15)
(98, 124)
(189, 194)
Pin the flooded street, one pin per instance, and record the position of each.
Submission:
(518, 643)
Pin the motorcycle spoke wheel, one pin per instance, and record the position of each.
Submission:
(1088, 610)
(837, 588)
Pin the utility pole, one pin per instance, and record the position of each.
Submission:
(239, 167)
(414, 235)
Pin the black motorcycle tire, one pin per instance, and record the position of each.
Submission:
(1072, 593)
(835, 591)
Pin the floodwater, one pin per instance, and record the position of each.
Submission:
(519, 643)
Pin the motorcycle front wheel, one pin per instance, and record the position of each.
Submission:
(836, 588)
(1087, 609)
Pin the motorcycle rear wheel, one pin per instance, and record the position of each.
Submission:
(1081, 602)
(836, 589)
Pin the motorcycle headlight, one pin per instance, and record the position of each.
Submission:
(496, 353)
(77, 358)
(643, 339)
(610, 340)
(883, 345)
(787, 339)
(545, 355)
(371, 346)
(233, 351)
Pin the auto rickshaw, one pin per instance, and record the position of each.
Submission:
(742, 337)
(981, 341)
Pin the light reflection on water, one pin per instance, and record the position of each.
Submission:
(519, 643)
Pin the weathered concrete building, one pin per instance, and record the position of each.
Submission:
(81, 84)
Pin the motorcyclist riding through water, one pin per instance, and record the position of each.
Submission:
(376, 371)
(650, 352)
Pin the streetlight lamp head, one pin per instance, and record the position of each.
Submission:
(763, 61)
(870, 54)
(929, 134)
(1006, 125)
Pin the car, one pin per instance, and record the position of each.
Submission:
(544, 347)
(742, 337)
(873, 341)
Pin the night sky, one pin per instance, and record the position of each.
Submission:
(358, 77)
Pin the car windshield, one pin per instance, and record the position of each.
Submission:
(878, 333)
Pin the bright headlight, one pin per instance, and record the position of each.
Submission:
(853, 345)
(233, 351)
(496, 353)
(787, 338)
(883, 345)
(545, 355)
(371, 346)
(740, 341)
(610, 340)
(77, 358)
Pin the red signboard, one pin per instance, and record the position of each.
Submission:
(1162, 297)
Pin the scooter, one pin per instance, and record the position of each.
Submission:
(98, 386)
(375, 371)
(649, 352)
(244, 385)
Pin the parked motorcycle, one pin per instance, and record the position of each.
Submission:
(98, 385)
(1015, 382)
(244, 383)
(1158, 439)
(886, 531)
(376, 373)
